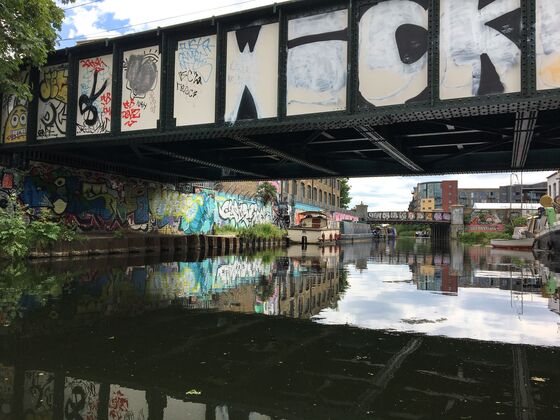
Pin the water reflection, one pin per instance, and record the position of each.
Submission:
(229, 337)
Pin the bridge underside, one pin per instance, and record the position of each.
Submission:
(321, 148)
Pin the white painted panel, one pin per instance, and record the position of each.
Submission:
(181, 410)
(387, 75)
(548, 44)
(81, 399)
(464, 37)
(195, 81)
(140, 89)
(95, 79)
(126, 403)
(53, 101)
(255, 72)
(317, 67)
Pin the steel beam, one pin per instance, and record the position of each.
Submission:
(283, 155)
(524, 131)
(381, 142)
(200, 162)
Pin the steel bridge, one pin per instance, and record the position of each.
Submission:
(304, 89)
(409, 217)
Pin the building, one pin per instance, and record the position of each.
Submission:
(299, 195)
(469, 196)
(553, 184)
(526, 193)
(443, 193)
(427, 204)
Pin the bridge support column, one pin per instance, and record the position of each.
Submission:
(457, 221)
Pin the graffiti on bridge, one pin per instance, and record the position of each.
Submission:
(409, 216)
(53, 100)
(14, 110)
(81, 399)
(94, 95)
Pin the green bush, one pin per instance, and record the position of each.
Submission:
(17, 236)
(481, 238)
(266, 231)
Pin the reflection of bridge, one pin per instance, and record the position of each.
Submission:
(409, 217)
(239, 365)
(400, 99)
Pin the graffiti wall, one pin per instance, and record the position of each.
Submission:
(13, 125)
(53, 100)
(393, 52)
(195, 81)
(95, 76)
(177, 409)
(141, 89)
(317, 63)
(485, 221)
(235, 211)
(479, 48)
(96, 201)
(81, 399)
(548, 44)
(252, 73)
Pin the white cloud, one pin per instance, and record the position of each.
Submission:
(90, 21)
(395, 193)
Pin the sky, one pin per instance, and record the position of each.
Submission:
(94, 19)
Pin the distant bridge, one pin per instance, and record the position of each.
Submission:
(409, 217)
(303, 89)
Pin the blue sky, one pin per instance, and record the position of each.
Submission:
(94, 19)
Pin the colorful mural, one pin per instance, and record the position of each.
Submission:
(484, 221)
(94, 95)
(13, 125)
(95, 201)
(53, 100)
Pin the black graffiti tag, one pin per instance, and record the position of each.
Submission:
(86, 102)
(75, 404)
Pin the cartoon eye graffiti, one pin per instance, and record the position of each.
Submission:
(59, 182)
(15, 126)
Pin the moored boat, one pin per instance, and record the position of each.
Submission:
(518, 244)
(314, 228)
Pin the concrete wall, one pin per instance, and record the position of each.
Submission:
(94, 201)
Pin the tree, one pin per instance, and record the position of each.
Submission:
(344, 193)
(28, 32)
(266, 192)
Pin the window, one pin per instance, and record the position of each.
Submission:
(320, 195)
(294, 187)
(309, 192)
(302, 188)
(314, 194)
(325, 198)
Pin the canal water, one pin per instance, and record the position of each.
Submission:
(404, 329)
